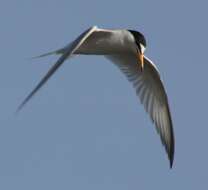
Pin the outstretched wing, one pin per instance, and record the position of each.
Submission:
(151, 92)
(67, 52)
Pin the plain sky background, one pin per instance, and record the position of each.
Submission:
(86, 128)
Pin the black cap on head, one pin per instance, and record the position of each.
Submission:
(139, 38)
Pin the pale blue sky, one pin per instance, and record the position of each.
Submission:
(86, 128)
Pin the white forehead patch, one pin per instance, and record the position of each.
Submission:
(142, 48)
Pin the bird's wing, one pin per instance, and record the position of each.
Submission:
(151, 92)
(66, 52)
(96, 43)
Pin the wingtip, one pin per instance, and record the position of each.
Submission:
(19, 108)
(171, 163)
(171, 157)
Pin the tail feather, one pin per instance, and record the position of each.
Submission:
(59, 51)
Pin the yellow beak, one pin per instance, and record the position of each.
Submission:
(141, 59)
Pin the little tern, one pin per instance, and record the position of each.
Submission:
(125, 48)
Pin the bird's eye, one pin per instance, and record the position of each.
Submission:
(142, 48)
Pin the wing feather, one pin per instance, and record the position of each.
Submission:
(151, 92)
(67, 52)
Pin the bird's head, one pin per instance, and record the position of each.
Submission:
(140, 42)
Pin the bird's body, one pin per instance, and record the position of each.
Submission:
(125, 48)
(106, 42)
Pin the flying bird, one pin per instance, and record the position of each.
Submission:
(125, 48)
